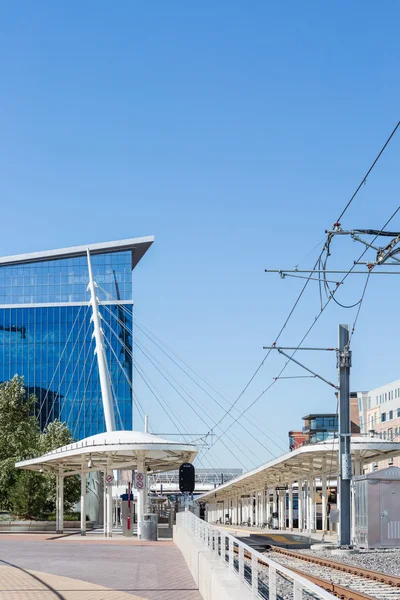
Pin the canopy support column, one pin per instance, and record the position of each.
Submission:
(57, 504)
(109, 504)
(262, 507)
(274, 505)
(60, 502)
(300, 504)
(83, 502)
(140, 496)
(257, 516)
(291, 505)
(324, 503)
(268, 507)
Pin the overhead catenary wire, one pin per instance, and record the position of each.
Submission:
(255, 425)
(186, 391)
(369, 170)
(307, 332)
(364, 179)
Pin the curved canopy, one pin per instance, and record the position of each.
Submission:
(315, 459)
(113, 450)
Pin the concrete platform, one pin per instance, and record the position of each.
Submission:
(112, 569)
(260, 539)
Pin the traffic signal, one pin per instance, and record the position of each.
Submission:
(186, 478)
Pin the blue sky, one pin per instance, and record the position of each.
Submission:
(235, 133)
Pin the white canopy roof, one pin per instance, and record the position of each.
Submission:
(115, 450)
(300, 463)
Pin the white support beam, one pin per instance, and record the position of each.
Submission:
(61, 503)
(291, 506)
(104, 375)
(83, 502)
(300, 504)
(109, 504)
(140, 497)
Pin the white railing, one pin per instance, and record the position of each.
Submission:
(264, 577)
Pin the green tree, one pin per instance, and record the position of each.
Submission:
(28, 493)
(19, 438)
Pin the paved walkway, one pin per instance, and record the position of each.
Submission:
(17, 583)
(44, 566)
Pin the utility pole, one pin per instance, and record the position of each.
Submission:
(344, 364)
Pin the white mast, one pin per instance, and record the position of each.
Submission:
(98, 334)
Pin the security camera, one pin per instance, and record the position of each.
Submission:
(41, 470)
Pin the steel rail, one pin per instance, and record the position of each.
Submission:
(391, 580)
(339, 591)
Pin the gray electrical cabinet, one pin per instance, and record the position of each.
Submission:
(377, 509)
(149, 527)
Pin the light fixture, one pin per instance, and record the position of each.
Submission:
(90, 464)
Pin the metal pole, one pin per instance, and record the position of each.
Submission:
(344, 364)
(146, 424)
(104, 374)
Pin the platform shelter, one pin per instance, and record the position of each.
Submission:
(105, 453)
(246, 499)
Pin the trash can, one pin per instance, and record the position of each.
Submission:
(149, 527)
(275, 520)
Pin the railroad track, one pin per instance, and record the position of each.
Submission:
(342, 580)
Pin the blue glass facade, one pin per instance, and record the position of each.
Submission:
(46, 336)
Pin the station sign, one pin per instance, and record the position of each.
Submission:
(281, 488)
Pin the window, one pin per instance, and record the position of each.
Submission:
(390, 415)
(384, 435)
(376, 401)
(385, 396)
(369, 401)
(383, 417)
(390, 462)
(390, 434)
(398, 412)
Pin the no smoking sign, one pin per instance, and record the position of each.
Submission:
(140, 481)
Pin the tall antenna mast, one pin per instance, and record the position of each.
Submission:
(98, 334)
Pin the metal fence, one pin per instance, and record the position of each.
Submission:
(265, 578)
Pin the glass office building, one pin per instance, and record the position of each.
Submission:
(46, 331)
